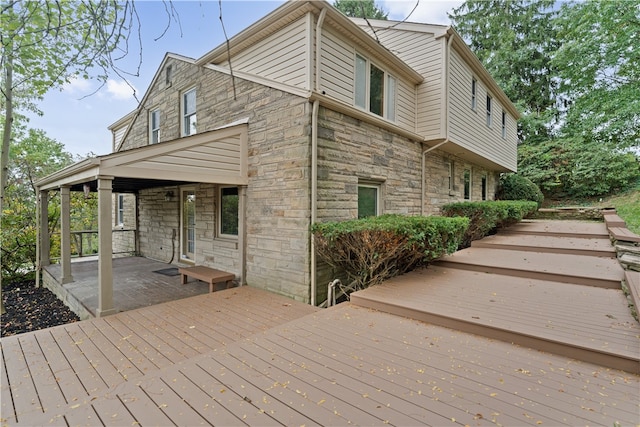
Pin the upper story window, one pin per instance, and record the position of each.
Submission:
(375, 89)
(154, 127)
(489, 102)
(504, 124)
(474, 91)
(189, 112)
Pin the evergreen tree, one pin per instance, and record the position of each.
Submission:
(361, 9)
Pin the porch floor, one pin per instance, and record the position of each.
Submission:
(135, 283)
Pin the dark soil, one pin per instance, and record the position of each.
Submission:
(30, 308)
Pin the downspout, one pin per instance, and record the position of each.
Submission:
(446, 120)
(314, 156)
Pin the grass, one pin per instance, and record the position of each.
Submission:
(627, 205)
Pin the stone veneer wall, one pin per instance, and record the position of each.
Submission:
(351, 151)
(278, 207)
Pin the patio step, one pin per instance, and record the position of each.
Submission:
(550, 244)
(553, 286)
(585, 323)
(566, 268)
(572, 229)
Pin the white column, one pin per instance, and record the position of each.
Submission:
(65, 235)
(44, 239)
(105, 251)
(242, 233)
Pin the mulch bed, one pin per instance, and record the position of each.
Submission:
(30, 308)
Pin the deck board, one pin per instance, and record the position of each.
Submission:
(6, 402)
(23, 390)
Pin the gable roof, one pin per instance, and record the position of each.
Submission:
(294, 10)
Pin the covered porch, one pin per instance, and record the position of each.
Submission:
(137, 282)
(217, 157)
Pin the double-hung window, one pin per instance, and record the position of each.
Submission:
(374, 89)
(189, 112)
(154, 127)
(467, 184)
(474, 92)
(489, 102)
(504, 125)
(120, 210)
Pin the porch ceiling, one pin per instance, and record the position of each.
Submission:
(217, 157)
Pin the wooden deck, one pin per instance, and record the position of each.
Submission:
(568, 304)
(248, 357)
(351, 365)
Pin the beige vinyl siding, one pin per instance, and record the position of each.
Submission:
(337, 69)
(118, 134)
(280, 57)
(422, 52)
(337, 72)
(468, 128)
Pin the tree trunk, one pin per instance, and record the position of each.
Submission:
(6, 138)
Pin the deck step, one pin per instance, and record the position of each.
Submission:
(550, 244)
(577, 269)
(556, 317)
(632, 279)
(573, 229)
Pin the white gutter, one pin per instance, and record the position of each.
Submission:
(314, 157)
(446, 121)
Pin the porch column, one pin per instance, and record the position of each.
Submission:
(65, 234)
(242, 233)
(105, 248)
(44, 240)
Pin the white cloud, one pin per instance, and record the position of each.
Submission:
(427, 12)
(120, 90)
(77, 86)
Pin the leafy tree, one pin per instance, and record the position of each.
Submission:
(361, 9)
(598, 61)
(515, 40)
(33, 156)
(573, 167)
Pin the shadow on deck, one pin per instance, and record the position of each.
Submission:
(552, 286)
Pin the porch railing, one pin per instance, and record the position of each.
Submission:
(85, 243)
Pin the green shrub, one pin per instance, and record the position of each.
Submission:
(371, 250)
(484, 217)
(516, 187)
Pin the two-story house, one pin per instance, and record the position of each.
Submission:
(308, 116)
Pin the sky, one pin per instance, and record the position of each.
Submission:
(79, 114)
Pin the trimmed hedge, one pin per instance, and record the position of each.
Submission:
(371, 250)
(517, 187)
(486, 216)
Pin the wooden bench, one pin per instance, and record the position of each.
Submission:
(206, 274)
(624, 234)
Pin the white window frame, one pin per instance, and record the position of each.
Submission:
(184, 256)
(186, 125)
(219, 228)
(467, 185)
(474, 94)
(484, 186)
(378, 188)
(154, 128)
(451, 177)
(362, 88)
(120, 210)
(504, 124)
(489, 108)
